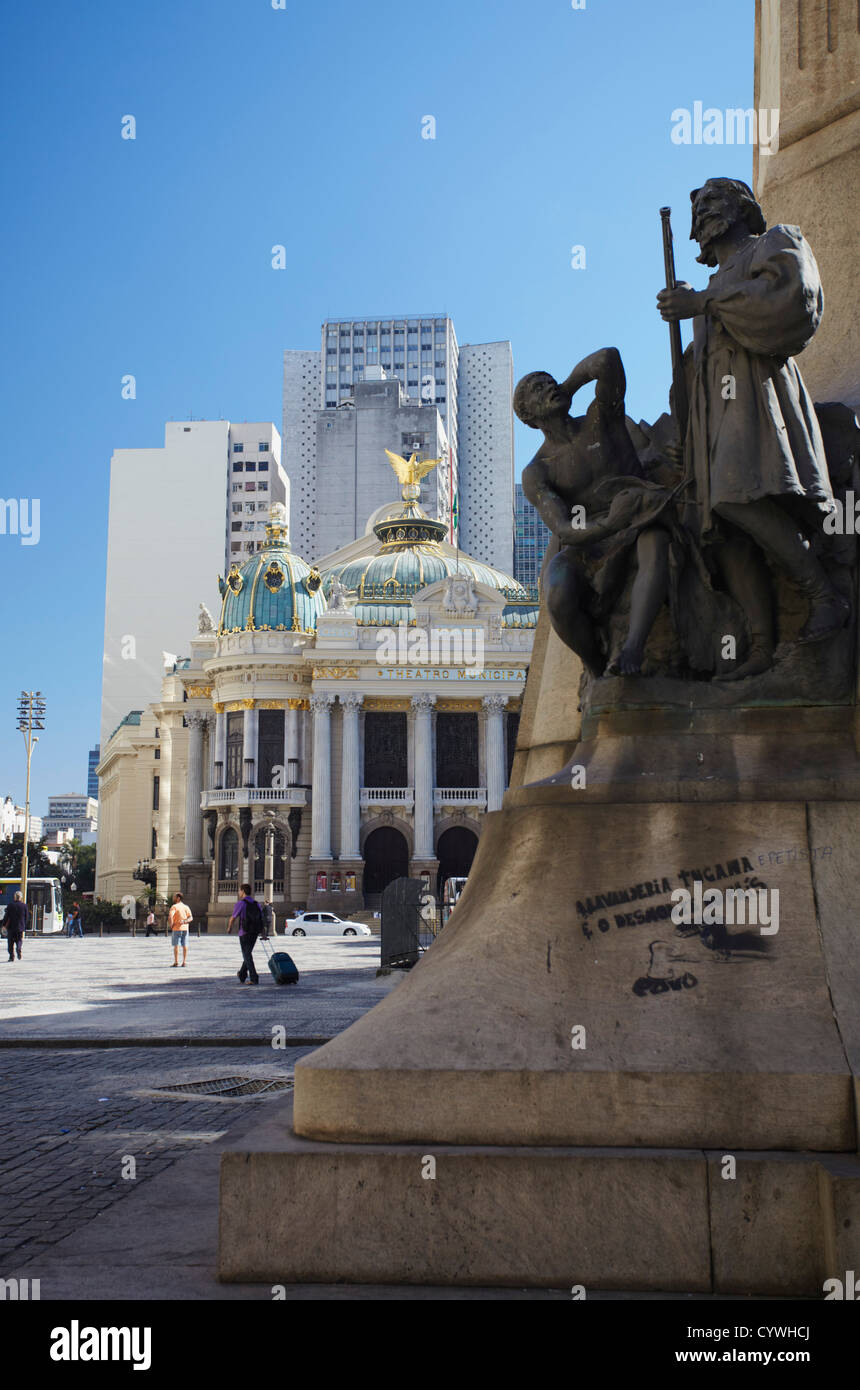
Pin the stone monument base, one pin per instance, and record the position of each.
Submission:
(579, 1064)
(658, 1220)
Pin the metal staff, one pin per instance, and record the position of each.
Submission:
(679, 381)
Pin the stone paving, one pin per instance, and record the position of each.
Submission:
(71, 1117)
(71, 1120)
(126, 988)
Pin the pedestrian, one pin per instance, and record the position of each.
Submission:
(178, 919)
(151, 928)
(268, 919)
(73, 922)
(16, 920)
(248, 916)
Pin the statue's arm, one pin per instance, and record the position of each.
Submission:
(554, 511)
(604, 367)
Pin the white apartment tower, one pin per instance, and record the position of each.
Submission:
(422, 352)
(179, 516)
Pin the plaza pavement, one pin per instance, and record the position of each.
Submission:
(89, 1032)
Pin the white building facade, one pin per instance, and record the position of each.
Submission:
(170, 529)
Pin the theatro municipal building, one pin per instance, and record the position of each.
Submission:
(340, 725)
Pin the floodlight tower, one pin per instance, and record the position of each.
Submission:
(31, 716)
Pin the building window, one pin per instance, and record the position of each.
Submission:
(236, 545)
(263, 448)
(250, 487)
(237, 487)
(250, 467)
(157, 753)
(238, 448)
(262, 468)
(250, 506)
(154, 844)
(155, 785)
(238, 467)
(262, 487)
(235, 525)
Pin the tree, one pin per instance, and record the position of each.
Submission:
(11, 854)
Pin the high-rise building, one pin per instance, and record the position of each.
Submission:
(178, 515)
(486, 423)
(92, 775)
(422, 352)
(531, 540)
(350, 455)
(72, 811)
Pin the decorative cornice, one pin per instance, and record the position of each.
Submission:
(494, 704)
(322, 701)
(335, 673)
(423, 700)
(199, 692)
(351, 699)
(218, 706)
(271, 704)
(298, 704)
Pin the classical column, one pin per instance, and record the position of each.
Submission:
(495, 744)
(422, 706)
(350, 845)
(162, 852)
(292, 755)
(220, 746)
(194, 789)
(321, 792)
(249, 744)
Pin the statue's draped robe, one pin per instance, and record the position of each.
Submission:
(753, 431)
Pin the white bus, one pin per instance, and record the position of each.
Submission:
(44, 900)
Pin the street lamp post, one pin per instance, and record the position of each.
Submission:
(31, 716)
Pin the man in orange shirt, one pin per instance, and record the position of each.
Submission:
(178, 921)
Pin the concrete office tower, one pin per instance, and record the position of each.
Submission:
(530, 540)
(486, 438)
(353, 472)
(73, 811)
(422, 353)
(806, 68)
(92, 776)
(303, 397)
(170, 532)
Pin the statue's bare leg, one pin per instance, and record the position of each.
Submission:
(747, 579)
(647, 598)
(565, 591)
(773, 529)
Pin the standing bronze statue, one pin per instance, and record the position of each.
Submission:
(753, 444)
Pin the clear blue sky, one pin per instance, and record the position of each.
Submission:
(301, 126)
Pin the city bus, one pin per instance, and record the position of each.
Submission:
(44, 900)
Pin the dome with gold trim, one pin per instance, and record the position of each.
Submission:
(274, 591)
(413, 554)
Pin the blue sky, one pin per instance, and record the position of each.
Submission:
(302, 127)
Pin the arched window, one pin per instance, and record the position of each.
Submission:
(228, 858)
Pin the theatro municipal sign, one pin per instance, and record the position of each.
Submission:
(437, 673)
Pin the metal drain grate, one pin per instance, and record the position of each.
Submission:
(230, 1086)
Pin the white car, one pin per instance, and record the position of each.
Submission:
(324, 924)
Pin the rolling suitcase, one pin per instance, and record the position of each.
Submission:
(282, 966)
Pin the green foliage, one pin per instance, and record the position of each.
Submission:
(11, 854)
(102, 914)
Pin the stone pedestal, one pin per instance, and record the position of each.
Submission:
(579, 1066)
(194, 886)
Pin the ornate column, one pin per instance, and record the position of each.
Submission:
(292, 746)
(422, 706)
(220, 745)
(194, 789)
(321, 793)
(162, 849)
(350, 846)
(495, 744)
(249, 744)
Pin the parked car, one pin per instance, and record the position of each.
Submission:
(324, 924)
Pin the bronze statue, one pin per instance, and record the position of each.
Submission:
(753, 445)
(604, 540)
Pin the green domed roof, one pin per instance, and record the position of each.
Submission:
(274, 591)
(384, 583)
